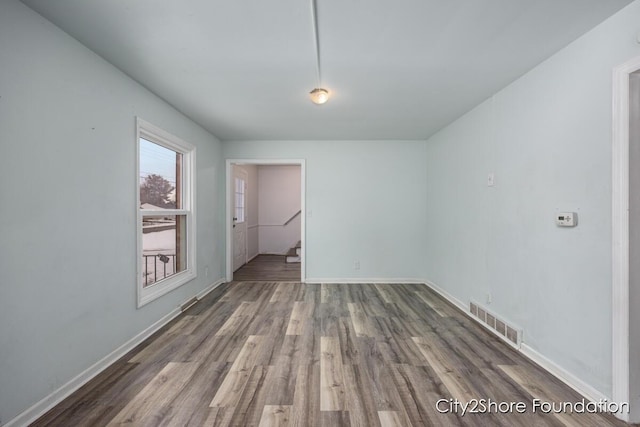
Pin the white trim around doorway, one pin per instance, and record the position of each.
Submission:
(620, 232)
(303, 190)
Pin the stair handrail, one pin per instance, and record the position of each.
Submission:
(292, 218)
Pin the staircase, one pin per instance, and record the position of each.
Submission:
(293, 256)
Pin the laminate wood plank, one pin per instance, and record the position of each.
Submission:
(484, 350)
(530, 381)
(161, 349)
(362, 325)
(249, 291)
(84, 414)
(191, 406)
(374, 366)
(330, 293)
(502, 389)
(349, 350)
(331, 377)
(311, 293)
(449, 375)
(442, 310)
(211, 321)
(221, 417)
(249, 407)
(396, 349)
(334, 419)
(303, 349)
(391, 419)
(231, 389)
(87, 409)
(406, 304)
(328, 316)
(268, 268)
(184, 325)
(224, 348)
(383, 292)
(282, 383)
(287, 292)
(276, 416)
(150, 405)
(419, 388)
(239, 292)
(273, 342)
(488, 342)
(358, 399)
(210, 300)
(403, 328)
(299, 315)
(373, 304)
(243, 315)
(232, 350)
(306, 399)
(266, 324)
(212, 415)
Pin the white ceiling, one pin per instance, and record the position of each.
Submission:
(397, 69)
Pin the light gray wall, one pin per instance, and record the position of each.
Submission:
(634, 243)
(67, 209)
(364, 202)
(547, 137)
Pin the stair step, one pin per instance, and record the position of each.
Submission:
(294, 254)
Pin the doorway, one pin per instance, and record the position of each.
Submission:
(626, 238)
(260, 241)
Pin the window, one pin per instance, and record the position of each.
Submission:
(239, 192)
(166, 237)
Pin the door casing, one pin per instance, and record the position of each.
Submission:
(620, 233)
(229, 204)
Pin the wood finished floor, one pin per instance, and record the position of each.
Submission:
(278, 354)
(272, 268)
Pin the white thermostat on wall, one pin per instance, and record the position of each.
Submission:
(566, 219)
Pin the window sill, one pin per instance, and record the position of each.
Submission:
(162, 287)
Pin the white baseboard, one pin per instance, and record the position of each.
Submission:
(44, 405)
(554, 369)
(563, 375)
(357, 280)
(446, 295)
(210, 288)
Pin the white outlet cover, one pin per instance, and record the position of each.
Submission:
(491, 179)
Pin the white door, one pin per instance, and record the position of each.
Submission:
(238, 215)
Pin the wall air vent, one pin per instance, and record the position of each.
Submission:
(500, 327)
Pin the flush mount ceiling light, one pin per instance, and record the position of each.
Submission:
(318, 95)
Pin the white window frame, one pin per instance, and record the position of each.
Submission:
(158, 136)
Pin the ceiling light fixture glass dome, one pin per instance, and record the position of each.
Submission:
(319, 96)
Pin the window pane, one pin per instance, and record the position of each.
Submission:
(160, 172)
(164, 247)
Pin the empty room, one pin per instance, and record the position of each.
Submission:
(319, 213)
